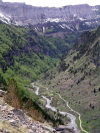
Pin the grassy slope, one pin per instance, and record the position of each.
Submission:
(77, 80)
(24, 56)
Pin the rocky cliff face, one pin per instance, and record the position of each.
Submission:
(22, 14)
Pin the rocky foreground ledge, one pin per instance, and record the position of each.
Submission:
(16, 121)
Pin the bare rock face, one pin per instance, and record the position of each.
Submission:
(22, 14)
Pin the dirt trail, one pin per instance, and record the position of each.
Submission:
(79, 115)
(72, 124)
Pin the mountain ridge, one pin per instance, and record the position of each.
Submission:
(27, 14)
(26, 54)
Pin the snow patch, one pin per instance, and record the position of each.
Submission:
(66, 26)
(75, 15)
(88, 23)
(5, 18)
(95, 9)
(62, 26)
(53, 20)
(82, 19)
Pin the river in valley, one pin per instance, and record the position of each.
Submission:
(72, 124)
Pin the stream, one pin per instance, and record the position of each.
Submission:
(72, 124)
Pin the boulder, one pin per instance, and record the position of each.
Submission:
(2, 93)
(64, 129)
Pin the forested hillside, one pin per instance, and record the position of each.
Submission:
(24, 56)
(77, 79)
(24, 53)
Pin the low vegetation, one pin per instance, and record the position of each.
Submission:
(24, 56)
(76, 78)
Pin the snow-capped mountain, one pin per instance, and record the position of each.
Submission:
(72, 18)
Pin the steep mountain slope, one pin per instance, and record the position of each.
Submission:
(67, 22)
(24, 56)
(70, 17)
(22, 48)
(77, 79)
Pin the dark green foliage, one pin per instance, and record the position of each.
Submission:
(85, 42)
(24, 56)
(2, 81)
(62, 65)
(24, 53)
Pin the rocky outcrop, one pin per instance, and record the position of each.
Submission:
(15, 120)
(2, 93)
(22, 14)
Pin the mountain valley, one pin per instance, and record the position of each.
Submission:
(49, 68)
(76, 78)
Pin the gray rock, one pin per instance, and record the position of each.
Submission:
(64, 129)
(2, 93)
(52, 130)
(22, 14)
(6, 131)
(1, 130)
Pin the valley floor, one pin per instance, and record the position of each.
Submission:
(72, 124)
